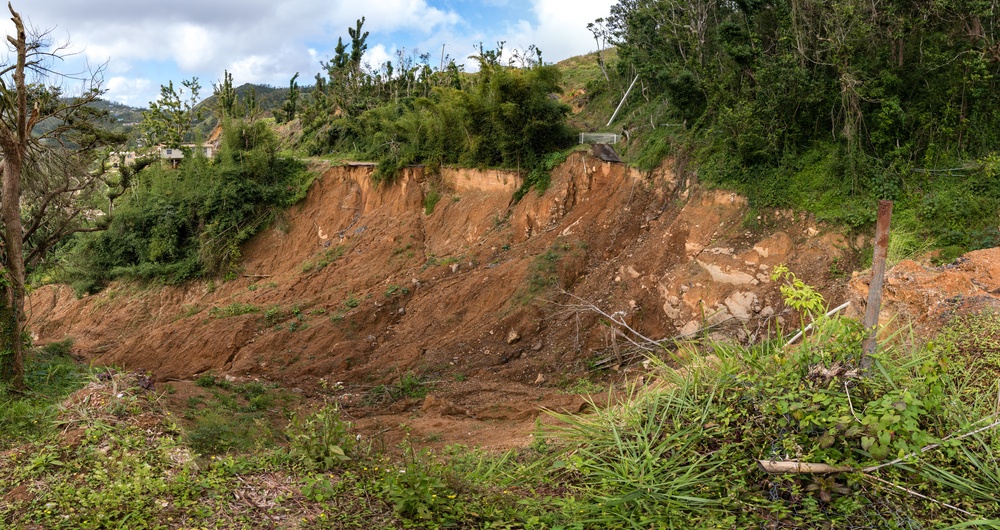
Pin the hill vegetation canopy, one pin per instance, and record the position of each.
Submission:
(826, 106)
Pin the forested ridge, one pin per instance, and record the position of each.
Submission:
(826, 106)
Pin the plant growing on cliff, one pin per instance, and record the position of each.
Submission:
(184, 223)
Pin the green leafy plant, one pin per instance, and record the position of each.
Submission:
(351, 302)
(321, 439)
(417, 489)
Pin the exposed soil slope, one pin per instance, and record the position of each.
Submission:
(358, 285)
(927, 298)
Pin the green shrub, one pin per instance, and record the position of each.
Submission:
(320, 440)
(418, 490)
(181, 224)
(215, 433)
(412, 386)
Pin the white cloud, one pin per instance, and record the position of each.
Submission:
(191, 47)
(393, 15)
(248, 69)
(129, 91)
(559, 32)
(267, 42)
(562, 33)
(377, 55)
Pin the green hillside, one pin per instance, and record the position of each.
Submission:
(827, 108)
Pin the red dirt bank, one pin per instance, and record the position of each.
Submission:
(359, 286)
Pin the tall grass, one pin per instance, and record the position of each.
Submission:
(681, 450)
(51, 374)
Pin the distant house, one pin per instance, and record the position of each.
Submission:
(174, 155)
(168, 153)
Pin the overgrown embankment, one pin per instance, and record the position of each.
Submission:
(826, 108)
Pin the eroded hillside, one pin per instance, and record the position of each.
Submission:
(483, 298)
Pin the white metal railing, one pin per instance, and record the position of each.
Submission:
(599, 138)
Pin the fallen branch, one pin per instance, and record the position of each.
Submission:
(811, 324)
(618, 318)
(644, 351)
(793, 467)
(641, 344)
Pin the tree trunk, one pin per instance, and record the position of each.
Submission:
(12, 317)
(14, 145)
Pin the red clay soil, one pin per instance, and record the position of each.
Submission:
(358, 286)
(926, 298)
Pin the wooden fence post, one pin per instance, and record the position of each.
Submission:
(875, 287)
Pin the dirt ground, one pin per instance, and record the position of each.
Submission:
(492, 306)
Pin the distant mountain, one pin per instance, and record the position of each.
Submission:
(268, 97)
(120, 114)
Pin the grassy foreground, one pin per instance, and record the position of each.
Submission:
(97, 448)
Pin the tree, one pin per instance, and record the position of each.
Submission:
(171, 117)
(43, 175)
(348, 83)
(290, 106)
(225, 97)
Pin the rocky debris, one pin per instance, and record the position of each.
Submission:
(690, 329)
(928, 297)
(513, 336)
(742, 305)
(776, 245)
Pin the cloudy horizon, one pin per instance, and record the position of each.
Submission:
(141, 47)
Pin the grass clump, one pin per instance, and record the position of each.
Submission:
(409, 386)
(234, 309)
(430, 200)
(329, 256)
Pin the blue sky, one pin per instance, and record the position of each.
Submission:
(145, 44)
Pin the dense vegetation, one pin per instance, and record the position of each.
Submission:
(175, 225)
(823, 106)
(411, 113)
(917, 438)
